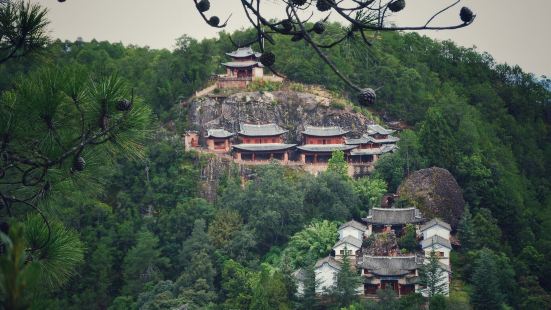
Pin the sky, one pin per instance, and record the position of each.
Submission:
(515, 32)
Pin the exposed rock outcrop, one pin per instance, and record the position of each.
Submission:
(289, 109)
(436, 193)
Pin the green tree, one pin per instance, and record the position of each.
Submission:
(408, 240)
(486, 230)
(370, 190)
(437, 137)
(337, 164)
(142, 263)
(486, 293)
(269, 292)
(22, 29)
(312, 242)
(466, 229)
(309, 298)
(432, 277)
(236, 285)
(347, 283)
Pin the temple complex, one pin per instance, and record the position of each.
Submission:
(371, 246)
(261, 143)
(321, 142)
(242, 69)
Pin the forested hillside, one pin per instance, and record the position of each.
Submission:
(150, 241)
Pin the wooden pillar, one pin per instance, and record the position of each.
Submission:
(303, 158)
(285, 157)
(315, 158)
(238, 156)
(254, 157)
(271, 156)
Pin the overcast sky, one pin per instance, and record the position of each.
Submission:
(515, 32)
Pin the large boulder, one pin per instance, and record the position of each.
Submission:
(436, 193)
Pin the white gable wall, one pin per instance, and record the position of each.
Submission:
(351, 231)
(325, 278)
(445, 259)
(436, 230)
(348, 246)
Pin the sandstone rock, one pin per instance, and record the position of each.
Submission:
(289, 109)
(436, 193)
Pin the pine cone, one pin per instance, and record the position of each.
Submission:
(466, 14)
(319, 28)
(299, 2)
(286, 25)
(214, 21)
(367, 96)
(397, 6)
(79, 164)
(203, 6)
(267, 59)
(323, 5)
(124, 105)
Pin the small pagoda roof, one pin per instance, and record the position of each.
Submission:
(331, 261)
(375, 151)
(243, 52)
(325, 148)
(373, 129)
(391, 265)
(242, 64)
(354, 224)
(434, 222)
(219, 133)
(436, 239)
(349, 240)
(263, 147)
(393, 216)
(264, 130)
(324, 131)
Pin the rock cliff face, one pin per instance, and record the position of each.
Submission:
(436, 193)
(289, 109)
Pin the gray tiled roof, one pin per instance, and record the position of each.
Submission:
(324, 131)
(393, 216)
(369, 139)
(329, 260)
(434, 222)
(350, 240)
(242, 64)
(219, 133)
(243, 52)
(263, 147)
(325, 147)
(253, 130)
(436, 239)
(390, 265)
(354, 224)
(374, 151)
(373, 129)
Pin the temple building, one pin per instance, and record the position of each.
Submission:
(219, 140)
(242, 69)
(376, 142)
(399, 273)
(320, 142)
(386, 219)
(397, 270)
(261, 143)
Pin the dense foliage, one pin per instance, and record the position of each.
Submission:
(151, 241)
